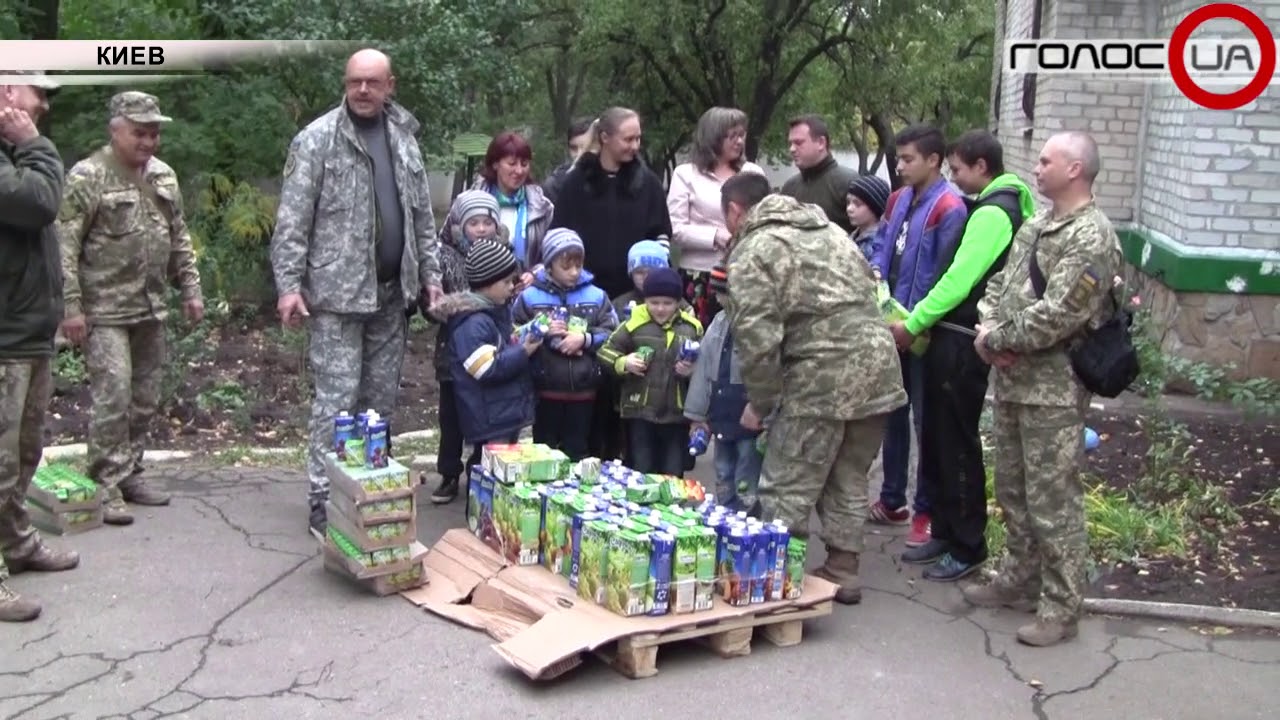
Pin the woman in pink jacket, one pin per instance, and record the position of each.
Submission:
(717, 153)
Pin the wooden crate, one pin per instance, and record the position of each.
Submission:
(636, 656)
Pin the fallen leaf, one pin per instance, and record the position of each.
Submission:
(1220, 630)
(1035, 683)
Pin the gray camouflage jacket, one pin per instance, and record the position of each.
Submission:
(324, 241)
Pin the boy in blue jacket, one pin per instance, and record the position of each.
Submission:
(565, 372)
(491, 375)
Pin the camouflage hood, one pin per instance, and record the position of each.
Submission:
(783, 210)
(459, 305)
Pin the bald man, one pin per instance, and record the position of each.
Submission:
(354, 248)
(1052, 290)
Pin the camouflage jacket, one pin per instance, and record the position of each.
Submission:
(809, 336)
(123, 246)
(324, 244)
(1079, 255)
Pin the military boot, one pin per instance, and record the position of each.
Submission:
(136, 490)
(841, 568)
(15, 608)
(115, 512)
(1043, 633)
(995, 595)
(44, 559)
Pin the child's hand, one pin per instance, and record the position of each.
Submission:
(525, 281)
(684, 368)
(531, 344)
(636, 365)
(557, 327)
(695, 427)
(572, 343)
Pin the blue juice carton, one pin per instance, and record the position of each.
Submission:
(779, 536)
(480, 507)
(689, 349)
(377, 443)
(737, 560)
(344, 427)
(760, 538)
(661, 552)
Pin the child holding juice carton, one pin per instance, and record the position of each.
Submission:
(644, 352)
(715, 403)
(565, 372)
(491, 375)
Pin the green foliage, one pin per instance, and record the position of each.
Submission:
(231, 229)
(69, 368)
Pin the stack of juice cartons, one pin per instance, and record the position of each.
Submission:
(61, 501)
(372, 534)
(506, 497)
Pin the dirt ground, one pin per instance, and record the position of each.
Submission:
(250, 388)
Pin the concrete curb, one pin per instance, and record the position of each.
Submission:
(1203, 614)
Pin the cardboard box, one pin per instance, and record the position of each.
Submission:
(540, 625)
(367, 484)
(380, 585)
(362, 564)
(375, 512)
(58, 488)
(71, 522)
(370, 538)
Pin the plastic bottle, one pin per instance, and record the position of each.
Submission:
(699, 441)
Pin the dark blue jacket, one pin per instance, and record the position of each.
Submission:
(936, 224)
(717, 395)
(558, 376)
(491, 372)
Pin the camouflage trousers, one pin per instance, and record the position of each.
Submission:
(125, 365)
(820, 463)
(1037, 485)
(355, 366)
(25, 389)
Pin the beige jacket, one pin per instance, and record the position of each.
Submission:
(694, 205)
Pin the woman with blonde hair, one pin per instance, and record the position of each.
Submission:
(717, 153)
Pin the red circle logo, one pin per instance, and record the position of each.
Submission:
(1213, 100)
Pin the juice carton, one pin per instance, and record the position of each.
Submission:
(793, 582)
(489, 454)
(593, 559)
(587, 470)
(705, 542)
(627, 589)
(344, 427)
(779, 536)
(59, 488)
(760, 539)
(517, 515)
(661, 556)
(391, 559)
(736, 559)
(684, 571)
(577, 530)
(893, 311)
(377, 443)
(556, 517)
(480, 518)
(643, 492)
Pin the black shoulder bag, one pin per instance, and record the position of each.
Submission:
(1104, 359)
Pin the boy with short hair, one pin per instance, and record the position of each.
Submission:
(644, 352)
(867, 197)
(491, 375)
(565, 372)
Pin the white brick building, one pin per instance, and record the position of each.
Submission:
(1196, 192)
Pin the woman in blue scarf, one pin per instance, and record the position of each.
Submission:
(523, 208)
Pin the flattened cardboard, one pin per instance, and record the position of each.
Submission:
(542, 627)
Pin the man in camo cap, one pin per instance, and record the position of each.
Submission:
(124, 244)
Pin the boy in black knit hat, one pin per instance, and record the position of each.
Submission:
(867, 198)
(645, 352)
(492, 382)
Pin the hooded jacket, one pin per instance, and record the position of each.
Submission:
(490, 371)
(567, 377)
(453, 277)
(966, 265)
(807, 329)
(658, 395)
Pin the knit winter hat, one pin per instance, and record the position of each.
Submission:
(472, 203)
(558, 241)
(648, 253)
(488, 262)
(663, 282)
(871, 190)
(719, 281)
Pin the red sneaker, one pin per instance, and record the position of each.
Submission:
(880, 514)
(920, 529)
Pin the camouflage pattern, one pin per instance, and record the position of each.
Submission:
(324, 245)
(803, 311)
(26, 386)
(1079, 255)
(820, 463)
(356, 362)
(123, 247)
(137, 106)
(125, 364)
(1038, 452)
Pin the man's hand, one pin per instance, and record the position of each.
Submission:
(635, 365)
(902, 337)
(722, 239)
(193, 310)
(16, 126)
(292, 310)
(572, 343)
(1000, 360)
(751, 419)
(435, 294)
(684, 368)
(75, 329)
(531, 343)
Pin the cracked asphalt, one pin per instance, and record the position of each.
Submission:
(218, 607)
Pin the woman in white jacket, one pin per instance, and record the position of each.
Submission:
(717, 153)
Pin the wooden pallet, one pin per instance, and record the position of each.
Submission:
(636, 656)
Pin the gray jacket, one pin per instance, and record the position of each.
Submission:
(697, 404)
(324, 244)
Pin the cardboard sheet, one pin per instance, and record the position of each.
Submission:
(541, 625)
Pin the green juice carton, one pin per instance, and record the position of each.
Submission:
(557, 516)
(893, 311)
(593, 559)
(577, 527)
(517, 513)
(793, 581)
(627, 588)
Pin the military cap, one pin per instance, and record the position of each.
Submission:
(137, 106)
(38, 79)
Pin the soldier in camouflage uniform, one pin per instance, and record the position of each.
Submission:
(815, 354)
(354, 245)
(31, 185)
(124, 243)
(1040, 405)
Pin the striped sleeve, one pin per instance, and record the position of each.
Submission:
(481, 361)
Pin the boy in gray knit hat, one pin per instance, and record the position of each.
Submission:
(867, 198)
